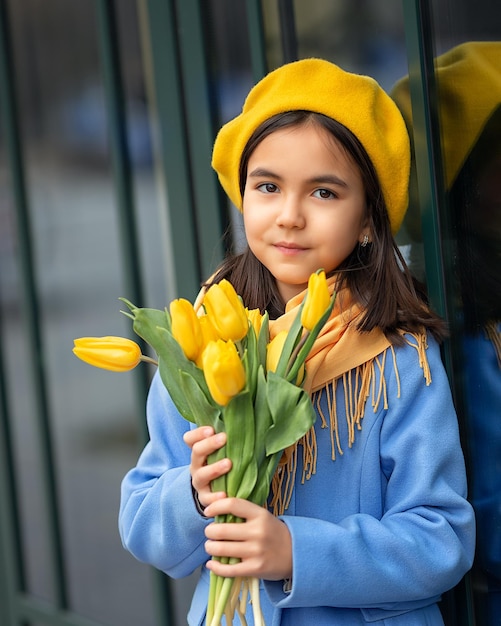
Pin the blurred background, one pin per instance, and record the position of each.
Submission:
(108, 115)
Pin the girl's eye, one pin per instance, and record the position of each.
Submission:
(268, 188)
(324, 194)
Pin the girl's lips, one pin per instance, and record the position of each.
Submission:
(288, 248)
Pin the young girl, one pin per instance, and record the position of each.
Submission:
(368, 519)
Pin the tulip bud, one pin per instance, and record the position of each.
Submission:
(274, 350)
(116, 354)
(209, 333)
(186, 328)
(255, 318)
(226, 311)
(223, 370)
(317, 300)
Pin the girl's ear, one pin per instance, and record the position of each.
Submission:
(365, 236)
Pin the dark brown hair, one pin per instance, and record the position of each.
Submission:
(376, 275)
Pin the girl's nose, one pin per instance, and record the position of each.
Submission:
(291, 214)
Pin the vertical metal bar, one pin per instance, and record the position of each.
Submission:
(12, 577)
(31, 309)
(11, 562)
(196, 83)
(427, 147)
(122, 172)
(173, 152)
(255, 27)
(288, 31)
(117, 123)
(116, 107)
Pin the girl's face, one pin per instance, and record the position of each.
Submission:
(303, 205)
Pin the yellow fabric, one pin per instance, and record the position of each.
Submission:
(356, 101)
(468, 79)
(340, 347)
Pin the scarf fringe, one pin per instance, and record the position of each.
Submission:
(360, 386)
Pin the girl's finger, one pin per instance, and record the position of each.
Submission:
(207, 473)
(201, 448)
(197, 434)
(234, 506)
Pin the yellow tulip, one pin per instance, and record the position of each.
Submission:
(110, 353)
(186, 328)
(317, 300)
(223, 370)
(274, 350)
(209, 333)
(255, 318)
(226, 311)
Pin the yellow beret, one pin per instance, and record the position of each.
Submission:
(356, 101)
(468, 79)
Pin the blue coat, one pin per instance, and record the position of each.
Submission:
(377, 534)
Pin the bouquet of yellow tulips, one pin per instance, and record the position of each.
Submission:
(222, 370)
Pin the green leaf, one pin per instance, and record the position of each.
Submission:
(263, 339)
(248, 481)
(250, 359)
(310, 340)
(263, 421)
(203, 412)
(292, 413)
(219, 483)
(171, 378)
(238, 418)
(147, 322)
(171, 363)
(266, 471)
(293, 338)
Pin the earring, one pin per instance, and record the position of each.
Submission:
(365, 241)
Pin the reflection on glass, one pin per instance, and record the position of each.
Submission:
(475, 199)
(468, 79)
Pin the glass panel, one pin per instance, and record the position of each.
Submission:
(469, 104)
(467, 44)
(365, 36)
(95, 420)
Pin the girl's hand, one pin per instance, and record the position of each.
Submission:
(204, 442)
(262, 542)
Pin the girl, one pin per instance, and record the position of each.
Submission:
(368, 519)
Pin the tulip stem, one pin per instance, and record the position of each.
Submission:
(297, 350)
(240, 348)
(147, 359)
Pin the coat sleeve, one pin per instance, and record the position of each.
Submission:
(158, 520)
(423, 542)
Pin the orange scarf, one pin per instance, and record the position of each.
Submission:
(340, 347)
